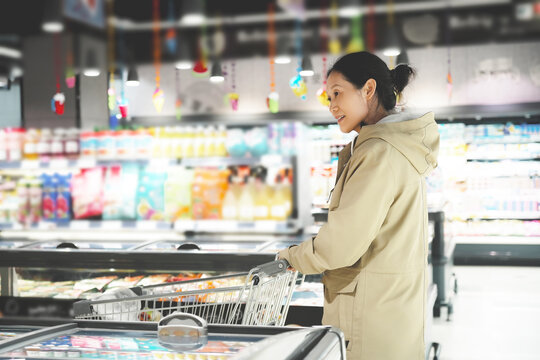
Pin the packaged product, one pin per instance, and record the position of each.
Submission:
(112, 194)
(35, 200)
(178, 199)
(87, 193)
(214, 192)
(130, 181)
(49, 196)
(150, 196)
(63, 197)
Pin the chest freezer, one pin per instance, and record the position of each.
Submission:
(138, 340)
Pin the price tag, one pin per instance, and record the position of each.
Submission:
(111, 225)
(86, 163)
(184, 225)
(30, 164)
(58, 164)
(146, 225)
(80, 225)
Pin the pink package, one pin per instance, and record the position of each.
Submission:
(87, 193)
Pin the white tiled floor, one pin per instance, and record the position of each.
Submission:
(496, 315)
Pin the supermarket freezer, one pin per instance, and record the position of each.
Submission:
(140, 340)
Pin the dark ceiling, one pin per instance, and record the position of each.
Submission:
(493, 22)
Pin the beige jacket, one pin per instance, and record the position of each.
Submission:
(373, 249)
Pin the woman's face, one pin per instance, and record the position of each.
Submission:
(347, 103)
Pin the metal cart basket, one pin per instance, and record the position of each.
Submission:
(258, 297)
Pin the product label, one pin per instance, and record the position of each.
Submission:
(3, 155)
(278, 211)
(72, 147)
(229, 212)
(245, 213)
(29, 148)
(261, 212)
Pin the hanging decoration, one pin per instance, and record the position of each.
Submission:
(122, 100)
(371, 32)
(170, 34)
(200, 69)
(232, 97)
(158, 98)
(58, 99)
(70, 72)
(272, 101)
(322, 96)
(357, 41)
(334, 46)
(178, 102)
(296, 83)
(111, 93)
(449, 81)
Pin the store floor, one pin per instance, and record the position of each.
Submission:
(496, 315)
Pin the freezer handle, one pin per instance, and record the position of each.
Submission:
(182, 331)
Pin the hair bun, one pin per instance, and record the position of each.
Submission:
(401, 75)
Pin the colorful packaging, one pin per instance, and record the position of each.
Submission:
(129, 182)
(49, 196)
(178, 194)
(87, 193)
(112, 194)
(63, 198)
(150, 196)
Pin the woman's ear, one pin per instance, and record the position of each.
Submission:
(369, 89)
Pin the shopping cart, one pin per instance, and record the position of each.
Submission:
(258, 297)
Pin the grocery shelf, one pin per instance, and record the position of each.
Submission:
(495, 239)
(495, 215)
(231, 226)
(502, 159)
(108, 225)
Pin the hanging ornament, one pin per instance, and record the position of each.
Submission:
(371, 32)
(70, 73)
(58, 99)
(334, 46)
(322, 97)
(232, 97)
(296, 83)
(57, 103)
(449, 81)
(170, 35)
(111, 93)
(178, 102)
(356, 43)
(158, 98)
(200, 69)
(111, 96)
(272, 101)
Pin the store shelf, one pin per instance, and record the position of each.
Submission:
(502, 159)
(230, 226)
(267, 160)
(108, 225)
(514, 240)
(495, 215)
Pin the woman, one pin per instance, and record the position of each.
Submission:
(373, 249)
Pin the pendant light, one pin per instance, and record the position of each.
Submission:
(52, 17)
(307, 66)
(349, 8)
(132, 77)
(183, 60)
(392, 45)
(402, 58)
(216, 75)
(282, 53)
(91, 67)
(193, 12)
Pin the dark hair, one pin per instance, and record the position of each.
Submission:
(359, 67)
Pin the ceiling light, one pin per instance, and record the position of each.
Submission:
(10, 52)
(282, 53)
(307, 67)
(183, 61)
(133, 77)
(349, 8)
(193, 12)
(282, 59)
(52, 17)
(392, 44)
(184, 65)
(91, 68)
(216, 76)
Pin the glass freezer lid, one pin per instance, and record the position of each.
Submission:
(11, 244)
(132, 345)
(83, 245)
(211, 246)
(11, 331)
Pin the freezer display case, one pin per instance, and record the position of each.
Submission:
(176, 337)
(82, 244)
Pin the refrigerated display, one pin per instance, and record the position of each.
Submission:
(135, 340)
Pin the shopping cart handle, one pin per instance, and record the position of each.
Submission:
(274, 267)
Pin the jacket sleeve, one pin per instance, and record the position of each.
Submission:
(367, 195)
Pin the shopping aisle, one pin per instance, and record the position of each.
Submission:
(496, 315)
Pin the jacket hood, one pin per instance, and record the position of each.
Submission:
(417, 138)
